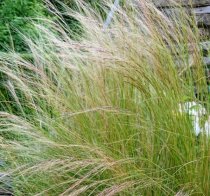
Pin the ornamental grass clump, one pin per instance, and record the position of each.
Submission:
(100, 115)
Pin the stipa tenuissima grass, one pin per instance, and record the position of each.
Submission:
(100, 115)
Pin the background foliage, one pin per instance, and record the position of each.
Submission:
(15, 16)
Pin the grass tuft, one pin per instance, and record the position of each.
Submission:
(100, 115)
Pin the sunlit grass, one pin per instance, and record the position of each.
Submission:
(101, 115)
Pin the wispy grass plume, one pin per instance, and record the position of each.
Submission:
(100, 115)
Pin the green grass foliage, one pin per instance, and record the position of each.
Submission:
(100, 115)
(16, 16)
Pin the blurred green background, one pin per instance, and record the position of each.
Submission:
(16, 17)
